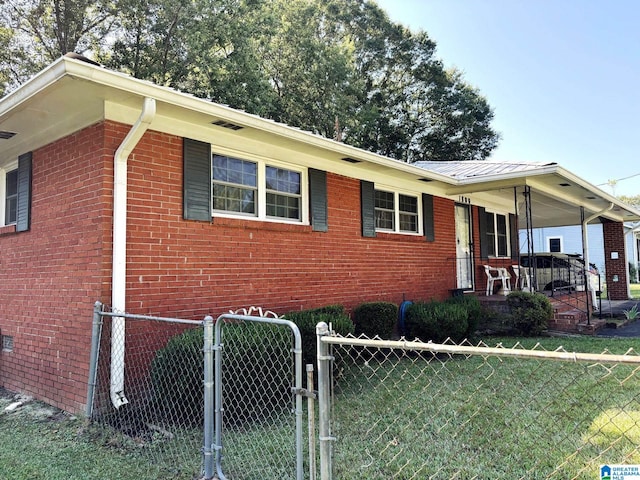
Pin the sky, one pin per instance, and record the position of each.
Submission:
(563, 77)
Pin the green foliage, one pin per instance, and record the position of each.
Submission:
(632, 313)
(437, 321)
(376, 318)
(306, 320)
(177, 376)
(475, 311)
(530, 312)
(254, 365)
(338, 68)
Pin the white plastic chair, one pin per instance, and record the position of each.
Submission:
(506, 278)
(523, 279)
(499, 274)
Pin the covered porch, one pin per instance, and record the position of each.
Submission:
(532, 196)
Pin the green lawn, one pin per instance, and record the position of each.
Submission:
(486, 417)
(445, 418)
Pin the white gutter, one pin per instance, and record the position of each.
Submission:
(119, 264)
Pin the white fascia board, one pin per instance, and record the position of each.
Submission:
(166, 95)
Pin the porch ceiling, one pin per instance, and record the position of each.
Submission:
(556, 197)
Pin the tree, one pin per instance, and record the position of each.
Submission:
(338, 68)
(44, 30)
(633, 200)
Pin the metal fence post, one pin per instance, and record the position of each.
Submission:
(93, 360)
(208, 398)
(311, 408)
(324, 396)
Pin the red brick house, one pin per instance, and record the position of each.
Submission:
(156, 202)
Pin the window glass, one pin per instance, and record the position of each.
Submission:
(283, 193)
(501, 234)
(11, 199)
(408, 213)
(491, 234)
(385, 210)
(240, 185)
(497, 235)
(554, 245)
(234, 185)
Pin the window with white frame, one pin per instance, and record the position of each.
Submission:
(256, 189)
(10, 206)
(555, 244)
(396, 212)
(497, 235)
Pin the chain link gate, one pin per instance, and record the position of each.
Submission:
(254, 389)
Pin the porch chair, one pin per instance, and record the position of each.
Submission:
(523, 278)
(499, 274)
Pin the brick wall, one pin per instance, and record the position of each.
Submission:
(613, 233)
(189, 269)
(51, 275)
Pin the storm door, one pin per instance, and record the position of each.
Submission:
(464, 250)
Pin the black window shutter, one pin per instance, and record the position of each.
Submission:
(482, 226)
(197, 181)
(318, 200)
(513, 234)
(368, 206)
(23, 217)
(427, 217)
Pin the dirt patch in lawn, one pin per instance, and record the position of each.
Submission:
(20, 405)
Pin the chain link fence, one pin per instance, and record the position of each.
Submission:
(411, 410)
(199, 399)
(152, 368)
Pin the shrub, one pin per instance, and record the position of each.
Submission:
(176, 377)
(529, 312)
(306, 320)
(376, 318)
(475, 312)
(249, 350)
(437, 321)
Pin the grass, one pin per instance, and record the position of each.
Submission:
(40, 442)
(486, 417)
(405, 417)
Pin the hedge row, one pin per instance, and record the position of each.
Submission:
(250, 349)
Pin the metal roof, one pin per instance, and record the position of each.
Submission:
(474, 169)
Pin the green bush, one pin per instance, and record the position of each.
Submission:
(475, 311)
(529, 312)
(376, 318)
(251, 368)
(177, 376)
(437, 321)
(306, 320)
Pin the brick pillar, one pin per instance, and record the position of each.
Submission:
(616, 267)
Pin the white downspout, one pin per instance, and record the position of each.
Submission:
(585, 247)
(119, 262)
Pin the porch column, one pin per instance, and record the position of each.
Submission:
(615, 260)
